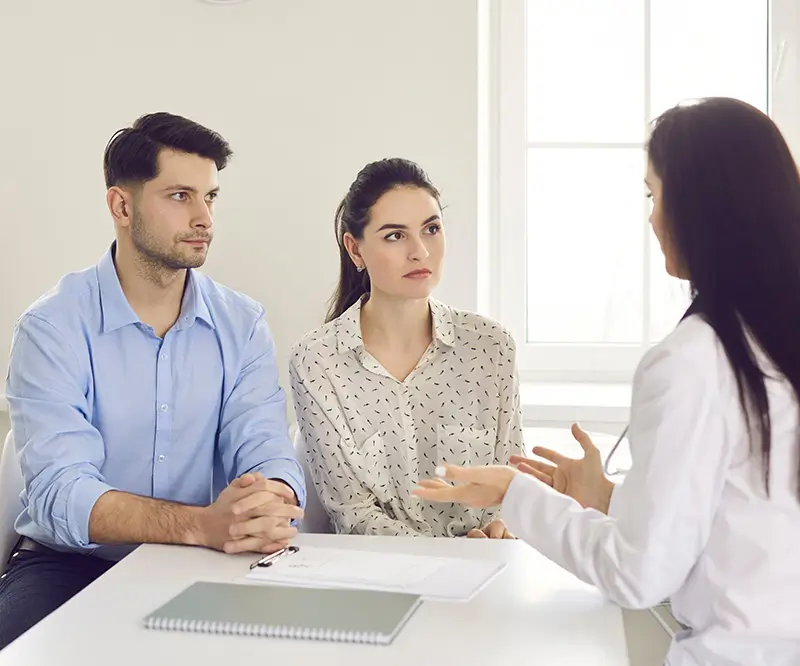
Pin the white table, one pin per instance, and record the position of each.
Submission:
(532, 613)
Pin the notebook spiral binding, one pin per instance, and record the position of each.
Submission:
(243, 629)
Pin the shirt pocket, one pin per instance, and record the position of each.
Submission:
(465, 446)
(368, 464)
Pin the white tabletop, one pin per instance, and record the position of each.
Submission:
(533, 612)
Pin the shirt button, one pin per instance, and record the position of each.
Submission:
(164, 357)
(164, 408)
(162, 458)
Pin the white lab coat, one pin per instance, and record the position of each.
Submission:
(692, 520)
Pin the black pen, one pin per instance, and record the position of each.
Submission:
(269, 560)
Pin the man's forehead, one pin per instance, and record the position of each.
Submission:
(185, 168)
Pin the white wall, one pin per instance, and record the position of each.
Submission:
(306, 91)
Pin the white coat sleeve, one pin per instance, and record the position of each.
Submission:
(660, 517)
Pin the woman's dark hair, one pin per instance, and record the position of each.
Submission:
(131, 156)
(731, 201)
(353, 214)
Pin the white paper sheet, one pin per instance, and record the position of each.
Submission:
(442, 578)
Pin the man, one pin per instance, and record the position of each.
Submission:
(144, 397)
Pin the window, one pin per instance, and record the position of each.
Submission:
(580, 277)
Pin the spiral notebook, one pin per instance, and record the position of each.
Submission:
(350, 616)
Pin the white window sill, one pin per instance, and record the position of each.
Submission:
(596, 406)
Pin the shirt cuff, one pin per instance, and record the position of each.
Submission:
(80, 502)
(512, 510)
(531, 507)
(291, 475)
(616, 499)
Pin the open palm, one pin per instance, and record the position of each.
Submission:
(581, 478)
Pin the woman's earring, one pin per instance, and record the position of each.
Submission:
(359, 268)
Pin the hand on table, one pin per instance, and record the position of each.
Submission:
(251, 515)
(496, 529)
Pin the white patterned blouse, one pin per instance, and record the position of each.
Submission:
(370, 437)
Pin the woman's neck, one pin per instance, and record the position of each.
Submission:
(396, 324)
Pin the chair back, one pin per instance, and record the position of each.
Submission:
(11, 485)
(315, 519)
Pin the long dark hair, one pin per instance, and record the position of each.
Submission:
(731, 200)
(352, 216)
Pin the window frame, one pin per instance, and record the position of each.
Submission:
(580, 362)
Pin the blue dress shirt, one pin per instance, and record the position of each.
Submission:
(99, 402)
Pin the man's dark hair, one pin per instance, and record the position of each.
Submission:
(131, 155)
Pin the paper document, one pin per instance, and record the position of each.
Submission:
(443, 578)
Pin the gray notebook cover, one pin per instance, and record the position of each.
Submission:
(356, 616)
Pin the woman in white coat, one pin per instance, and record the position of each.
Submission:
(708, 514)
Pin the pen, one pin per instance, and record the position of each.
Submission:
(269, 560)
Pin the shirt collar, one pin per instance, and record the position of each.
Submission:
(194, 305)
(117, 312)
(444, 329)
(348, 329)
(348, 326)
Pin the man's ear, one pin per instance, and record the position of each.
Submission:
(120, 205)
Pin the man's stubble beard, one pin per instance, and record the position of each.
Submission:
(155, 254)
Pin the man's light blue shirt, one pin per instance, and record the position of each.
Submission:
(99, 402)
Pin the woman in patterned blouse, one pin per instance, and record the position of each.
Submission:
(395, 382)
